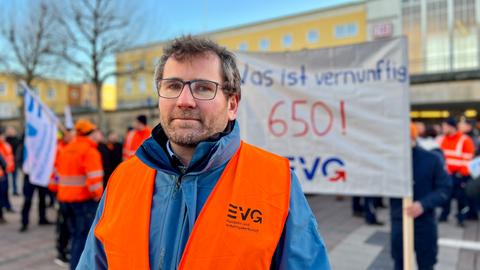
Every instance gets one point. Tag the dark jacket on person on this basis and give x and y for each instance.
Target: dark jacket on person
(473, 188)
(3, 166)
(431, 187)
(14, 142)
(111, 157)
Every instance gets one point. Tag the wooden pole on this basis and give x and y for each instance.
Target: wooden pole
(407, 236)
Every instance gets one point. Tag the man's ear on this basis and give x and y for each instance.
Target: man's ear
(232, 107)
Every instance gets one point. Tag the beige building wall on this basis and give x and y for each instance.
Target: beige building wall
(52, 92)
(341, 25)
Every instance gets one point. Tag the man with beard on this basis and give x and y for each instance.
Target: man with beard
(195, 196)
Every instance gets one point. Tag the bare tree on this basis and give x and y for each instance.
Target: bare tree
(29, 40)
(91, 32)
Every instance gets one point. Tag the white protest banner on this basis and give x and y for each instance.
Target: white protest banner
(340, 115)
(40, 139)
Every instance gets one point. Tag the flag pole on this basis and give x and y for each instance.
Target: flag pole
(407, 235)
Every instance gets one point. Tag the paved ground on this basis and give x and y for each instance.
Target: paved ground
(354, 245)
(351, 243)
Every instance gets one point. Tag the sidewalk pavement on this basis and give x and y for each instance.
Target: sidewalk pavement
(352, 245)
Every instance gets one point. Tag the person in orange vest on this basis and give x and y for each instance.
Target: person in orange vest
(195, 196)
(7, 153)
(458, 150)
(3, 174)
(80, 185)
(136, 136)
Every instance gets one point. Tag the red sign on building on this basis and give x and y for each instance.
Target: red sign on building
(382, 30)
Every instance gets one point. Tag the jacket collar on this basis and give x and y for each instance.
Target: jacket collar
(208, 154)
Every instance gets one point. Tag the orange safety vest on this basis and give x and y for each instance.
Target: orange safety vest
(7, 154)
(458, 150)
(80, 171)
(133, 140)
(54, 178)
(238, 228)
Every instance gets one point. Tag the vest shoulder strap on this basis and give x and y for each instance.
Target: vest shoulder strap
(129, 196)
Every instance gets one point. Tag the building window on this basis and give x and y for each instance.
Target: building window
(287, 41)
(51, 93)
(465, 35)
(19, 90)
(411, 20)
(141, 65)
(141, 85)
(128, 86)
(437, 37)
(243, 47)
(346, 30)
(3, 89)
(312, 36)
(74, 94)
(264, 44)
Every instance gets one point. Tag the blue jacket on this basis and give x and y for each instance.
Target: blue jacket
(179, 196)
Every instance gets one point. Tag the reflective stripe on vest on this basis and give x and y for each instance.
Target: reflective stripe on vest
(72, 180)
(238, 228)
(455, 157)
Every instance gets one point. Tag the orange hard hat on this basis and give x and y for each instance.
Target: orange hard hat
(84, 127)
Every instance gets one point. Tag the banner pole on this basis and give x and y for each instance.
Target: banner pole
(407, 235)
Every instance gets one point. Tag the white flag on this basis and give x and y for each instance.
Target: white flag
(40, 139)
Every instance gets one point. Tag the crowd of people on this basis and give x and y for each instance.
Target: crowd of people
(193, 169)
(442, 153)
(84, 162)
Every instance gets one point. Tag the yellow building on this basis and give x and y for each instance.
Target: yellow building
(109, 97)
(83, 97)
(52, 92)
(339, 25)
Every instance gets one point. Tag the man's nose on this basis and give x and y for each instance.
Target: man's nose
(186, 99)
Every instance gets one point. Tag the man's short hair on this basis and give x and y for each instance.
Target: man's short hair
(188, 47)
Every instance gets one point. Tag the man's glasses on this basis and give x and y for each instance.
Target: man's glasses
(200, 89)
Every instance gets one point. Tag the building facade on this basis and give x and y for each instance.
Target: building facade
(330, 27)
(56, 94)
(443, 39)
(444, 52)
(52, 92)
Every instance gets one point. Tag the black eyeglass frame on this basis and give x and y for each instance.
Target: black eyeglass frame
(189, 83)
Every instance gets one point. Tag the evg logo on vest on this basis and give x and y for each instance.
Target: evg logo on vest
(238, 212)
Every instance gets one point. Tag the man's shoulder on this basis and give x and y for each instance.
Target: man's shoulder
(132, 163)
(427, 155)
(260, 151)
